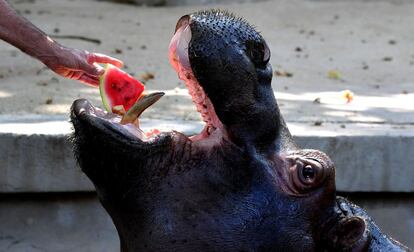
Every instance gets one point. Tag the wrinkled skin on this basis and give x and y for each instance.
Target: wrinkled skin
(242, 185)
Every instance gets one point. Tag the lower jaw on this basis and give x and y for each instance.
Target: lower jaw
(210, 134)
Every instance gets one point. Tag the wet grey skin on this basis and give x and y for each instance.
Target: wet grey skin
(241, 184)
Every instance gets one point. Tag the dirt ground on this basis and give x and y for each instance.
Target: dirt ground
(318, 49)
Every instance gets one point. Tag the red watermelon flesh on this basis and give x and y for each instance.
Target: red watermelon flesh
(118, 88)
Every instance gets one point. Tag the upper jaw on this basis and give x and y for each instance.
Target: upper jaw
(180, 61)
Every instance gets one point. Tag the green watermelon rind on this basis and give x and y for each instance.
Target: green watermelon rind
(104, 97)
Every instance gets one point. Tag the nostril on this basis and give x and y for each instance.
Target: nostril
(184, 20)
(81, 106)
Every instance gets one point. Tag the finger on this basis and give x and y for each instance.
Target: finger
(91, 69)
(101, 58)
(99, 67)
(89, 80)
(84, 78)
(74, 75)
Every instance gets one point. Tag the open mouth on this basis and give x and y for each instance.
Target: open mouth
(179, 59)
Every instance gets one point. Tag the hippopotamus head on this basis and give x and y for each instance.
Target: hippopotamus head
(241, 184)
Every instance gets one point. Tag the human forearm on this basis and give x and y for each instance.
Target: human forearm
(19, 32)
(68, 62)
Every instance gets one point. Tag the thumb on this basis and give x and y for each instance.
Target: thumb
(91, 69)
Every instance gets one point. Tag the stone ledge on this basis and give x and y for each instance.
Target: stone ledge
(35, 155)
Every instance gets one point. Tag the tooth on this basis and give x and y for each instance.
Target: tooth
(140, 105)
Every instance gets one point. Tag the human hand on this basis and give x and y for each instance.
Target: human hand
(79, 65)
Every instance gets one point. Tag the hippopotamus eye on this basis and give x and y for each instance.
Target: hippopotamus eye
(306, 174)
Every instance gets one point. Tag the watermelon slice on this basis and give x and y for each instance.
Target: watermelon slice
(118, 89)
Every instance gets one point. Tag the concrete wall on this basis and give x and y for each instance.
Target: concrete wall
(55, 222)
(44, 163)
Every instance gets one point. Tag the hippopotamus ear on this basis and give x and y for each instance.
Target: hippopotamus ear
(349, 234)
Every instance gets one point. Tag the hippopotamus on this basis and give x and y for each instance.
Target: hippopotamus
(241, 184)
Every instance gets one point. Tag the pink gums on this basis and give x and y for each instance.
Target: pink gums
(178, 53)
